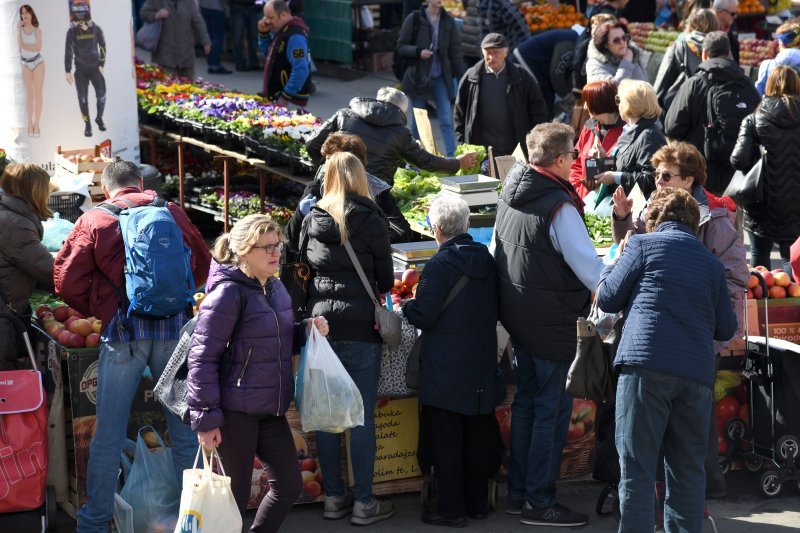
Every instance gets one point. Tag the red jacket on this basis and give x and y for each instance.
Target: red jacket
(584, 144)
(88, 271)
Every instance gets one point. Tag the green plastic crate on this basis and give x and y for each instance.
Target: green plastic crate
(331, 29)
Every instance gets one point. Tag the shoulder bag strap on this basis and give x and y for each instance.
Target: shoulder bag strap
(360, 271)
(460, 284)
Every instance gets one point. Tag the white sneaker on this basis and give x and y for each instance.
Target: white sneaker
(337, 507)
(365, 514)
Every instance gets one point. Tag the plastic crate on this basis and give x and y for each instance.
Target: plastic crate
(67, 205)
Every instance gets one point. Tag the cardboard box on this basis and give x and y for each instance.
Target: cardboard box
(62, 159)
(381, 62)
(784, 318)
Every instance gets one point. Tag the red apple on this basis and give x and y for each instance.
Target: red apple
(410, 277)
(76, 341)
(752, 282)
(97, 326)
(52, 327)
(758, 293)
(794, 290)
(761, 268)
(782, 279)
(61, 312)
(63, 337)
(73, 312)
(308, 464)
(44, 308)
(312, 489)
(68, 322)
(398, 286)
(92, 340)
(81, 326)
(777, 292)
(769, 279)
(46, 317)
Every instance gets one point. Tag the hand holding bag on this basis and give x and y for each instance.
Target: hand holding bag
(591, 374)
(149, 34)
(389, 323)
(746, 189)
(207, 499)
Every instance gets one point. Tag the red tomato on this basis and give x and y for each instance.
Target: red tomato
(727, 408)
(744, 414)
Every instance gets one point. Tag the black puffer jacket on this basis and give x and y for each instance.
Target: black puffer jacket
(336, 290)
(776, 128)
(382, 127)
(634, 150)
(459, 354)
(687, 117)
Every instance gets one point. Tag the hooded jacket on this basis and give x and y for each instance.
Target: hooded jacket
(606, 66)
(540, 295)
(687, 116)
(259, 380)
(459, 351)
(680, 63)
(416, 79)
(788, 56)
(335, 290)
(775, 126)
(718, 234)
(382, 127)
(524, 99)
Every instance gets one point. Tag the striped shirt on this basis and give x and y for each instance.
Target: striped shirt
(122, 329)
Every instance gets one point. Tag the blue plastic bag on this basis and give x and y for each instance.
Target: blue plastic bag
(149, 35)
(151, 488)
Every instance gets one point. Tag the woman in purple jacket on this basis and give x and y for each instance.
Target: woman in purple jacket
(240, 405)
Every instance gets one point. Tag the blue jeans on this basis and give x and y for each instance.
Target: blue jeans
(539, 420)
(444, 108)
(244, 24)
(761, 249)
(119, 372)
(656, 410)
(363, 362)
(215, 24)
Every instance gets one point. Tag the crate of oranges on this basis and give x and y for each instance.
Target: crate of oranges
(752, 7)
(543, 16)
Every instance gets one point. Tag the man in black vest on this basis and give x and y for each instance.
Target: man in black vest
(287, 70)
(548, 269)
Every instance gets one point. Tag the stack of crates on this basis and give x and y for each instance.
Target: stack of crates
(331, 29)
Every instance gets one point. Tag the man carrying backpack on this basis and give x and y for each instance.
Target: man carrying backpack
(709, 109)
(142, 299)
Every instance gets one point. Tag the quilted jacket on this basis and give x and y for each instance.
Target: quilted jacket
(259, 380)
(776, 127)
(673, 293)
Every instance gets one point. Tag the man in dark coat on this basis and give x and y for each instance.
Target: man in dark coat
(727, 11)
(479, 116)
(381, 124)
(547, 268)
(687, 117)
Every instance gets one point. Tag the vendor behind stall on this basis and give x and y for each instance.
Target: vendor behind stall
(24, 261)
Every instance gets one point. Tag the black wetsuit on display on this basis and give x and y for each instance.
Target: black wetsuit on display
(88, 49)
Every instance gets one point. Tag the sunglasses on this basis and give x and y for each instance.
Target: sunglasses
(574, 153)
(619, 40)
(270, 248)
(733, 14)
(665, 175)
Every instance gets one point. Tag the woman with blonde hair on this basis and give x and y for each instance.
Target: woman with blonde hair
(347, 213)
(774, 130)
(641, 138)
(25, 262)
(239, 405)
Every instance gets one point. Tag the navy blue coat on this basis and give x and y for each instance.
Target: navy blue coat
(675, 298)
(459, 352)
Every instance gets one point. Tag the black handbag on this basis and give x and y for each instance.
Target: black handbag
(746, 189)
(295, 274)
(591, 374)
(415, 357)
(171, 389)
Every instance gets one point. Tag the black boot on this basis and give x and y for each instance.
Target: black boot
(87, 130)
(100, 124)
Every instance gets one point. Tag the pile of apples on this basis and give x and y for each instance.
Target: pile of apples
(84, 158)
(70, 328)
(646, 35)
(405, 286)
(753, 51)
(778, 283)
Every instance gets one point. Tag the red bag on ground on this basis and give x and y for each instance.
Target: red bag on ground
(23, 441)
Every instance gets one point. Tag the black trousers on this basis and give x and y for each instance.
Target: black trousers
(269, 438)
(461, 451)
(83, 77)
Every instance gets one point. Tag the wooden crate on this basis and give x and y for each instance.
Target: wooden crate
(66, 159)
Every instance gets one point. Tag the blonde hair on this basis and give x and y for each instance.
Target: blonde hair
(244, 235)
(637, 99)
(702, 20)
(31, 184)
(344, 174)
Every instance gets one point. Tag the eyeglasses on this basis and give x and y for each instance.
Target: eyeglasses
(733, 14)
(665, 175)
(574, 153)
(619, 40)
(270, 248)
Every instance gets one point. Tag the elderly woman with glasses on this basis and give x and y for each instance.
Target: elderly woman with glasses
(612, 55)
(680, 165)
(459, 362)
(239, 405)
(641, 138)
(665, 358)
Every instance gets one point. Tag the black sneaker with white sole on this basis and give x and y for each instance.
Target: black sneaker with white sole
(556, 515)
(514, 506)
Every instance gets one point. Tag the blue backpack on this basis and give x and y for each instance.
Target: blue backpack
(158, 273)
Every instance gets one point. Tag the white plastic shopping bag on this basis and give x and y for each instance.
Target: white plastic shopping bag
(207, 503)
(330, 399)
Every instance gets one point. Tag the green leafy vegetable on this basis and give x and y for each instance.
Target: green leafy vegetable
(599, 229)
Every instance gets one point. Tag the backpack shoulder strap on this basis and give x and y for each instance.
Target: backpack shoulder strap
(460, 284)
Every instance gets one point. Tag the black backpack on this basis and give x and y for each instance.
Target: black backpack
(727, 105)
(399, 63)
